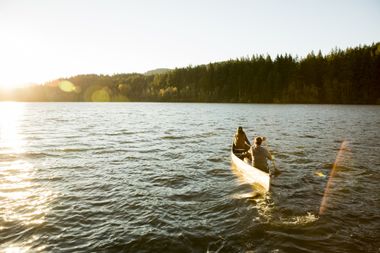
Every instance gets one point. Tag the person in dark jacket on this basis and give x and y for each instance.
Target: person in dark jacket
(241, 141)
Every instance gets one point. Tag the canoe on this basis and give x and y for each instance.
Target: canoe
(250, 174)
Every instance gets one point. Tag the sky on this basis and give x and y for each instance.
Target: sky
(42, 40)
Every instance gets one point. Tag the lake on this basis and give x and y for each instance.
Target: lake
(156, 177)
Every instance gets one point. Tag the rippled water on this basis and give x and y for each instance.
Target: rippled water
(150, 177)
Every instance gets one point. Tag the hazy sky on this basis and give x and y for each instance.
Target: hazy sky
(42, 40)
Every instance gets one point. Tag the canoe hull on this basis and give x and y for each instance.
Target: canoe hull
(250, 174)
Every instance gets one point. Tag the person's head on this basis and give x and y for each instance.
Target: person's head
(240, 129)
(258, 141)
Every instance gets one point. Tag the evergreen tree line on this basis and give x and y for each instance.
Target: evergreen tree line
(350, 76)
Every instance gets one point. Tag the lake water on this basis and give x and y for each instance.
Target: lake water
(156, 177)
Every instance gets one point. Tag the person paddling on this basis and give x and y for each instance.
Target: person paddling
(241, 141)
(260, 155)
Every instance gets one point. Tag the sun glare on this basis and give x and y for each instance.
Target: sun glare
(23, 201)
(10, 115)
(8, 86)
(9, 83)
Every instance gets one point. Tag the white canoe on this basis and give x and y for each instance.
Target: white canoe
(250, 174)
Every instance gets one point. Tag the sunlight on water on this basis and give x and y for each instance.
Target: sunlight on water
(265, 208)
(15, 249)
(10, 116)
(319, 174)
(300, 220)
(22, 201)
(265, 205)
(104, 177)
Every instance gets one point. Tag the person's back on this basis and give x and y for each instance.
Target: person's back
(241, 140)
(260, 155)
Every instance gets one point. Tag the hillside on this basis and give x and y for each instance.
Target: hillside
(350, 76)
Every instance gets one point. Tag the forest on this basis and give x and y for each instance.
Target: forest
(350, 76)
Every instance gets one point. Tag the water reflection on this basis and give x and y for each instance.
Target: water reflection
(11, 114)
(265, 206)
(23, 202)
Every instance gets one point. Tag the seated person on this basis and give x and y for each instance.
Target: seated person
(241, 142)
(259, 155)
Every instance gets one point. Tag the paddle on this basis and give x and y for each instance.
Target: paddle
(276, 171)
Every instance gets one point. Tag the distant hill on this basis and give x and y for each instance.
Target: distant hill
(157, 71)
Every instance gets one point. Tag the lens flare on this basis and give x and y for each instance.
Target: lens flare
(101, 95)
(67, 86)
(338, 160)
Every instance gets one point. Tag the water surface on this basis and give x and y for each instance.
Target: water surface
(156, 177)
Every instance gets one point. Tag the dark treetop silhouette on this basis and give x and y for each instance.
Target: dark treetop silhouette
(350, 76)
